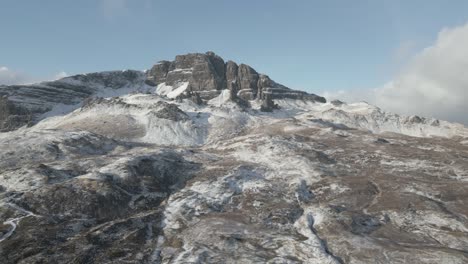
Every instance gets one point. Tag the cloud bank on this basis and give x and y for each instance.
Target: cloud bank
(434, 83)
(10, 77)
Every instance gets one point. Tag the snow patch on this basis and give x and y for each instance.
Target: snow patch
(171, 91)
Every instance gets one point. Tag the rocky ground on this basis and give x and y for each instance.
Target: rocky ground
(144, 178)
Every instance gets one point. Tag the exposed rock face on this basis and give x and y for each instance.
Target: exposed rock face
(23, 104)
(92, 102)
(169, 111)
(208, 74)
(205, 72)
(336, 102)
(267, 104)
(158, 73)
(113, 80)
(248, 79)
(12, 116)
(232, 79)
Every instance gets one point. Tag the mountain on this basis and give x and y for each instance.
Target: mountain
(28, 104)
(204, 161)
(202, 76)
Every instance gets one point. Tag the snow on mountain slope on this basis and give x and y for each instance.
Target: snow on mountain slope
(151, 119)
(170, 91)
(37, 101)
(136, 117)
(122, 172)
(371, 118)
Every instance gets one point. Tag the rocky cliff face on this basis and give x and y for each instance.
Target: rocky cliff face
(207, 74)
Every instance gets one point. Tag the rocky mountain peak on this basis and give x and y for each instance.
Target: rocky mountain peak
(199, 76)
(208, 74)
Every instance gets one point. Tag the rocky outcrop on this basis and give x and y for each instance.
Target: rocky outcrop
(248, 79)
(12, 116)
(203, 71)
(208, 74)
(169, 111)
(267, 104)
(158, 73)
(337, 103)
(232, 80)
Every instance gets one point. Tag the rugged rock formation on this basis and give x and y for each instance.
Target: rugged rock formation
(232, 79)
(25, 104)
(204, 72)
(208, 74)
(198, 76)
(337, 103)
(12, 116)
(267, 103)
(169, 111)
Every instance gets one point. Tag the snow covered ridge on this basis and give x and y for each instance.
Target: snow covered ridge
(27, 104)
(131, 87)
(158, 119)
(373, 119)
(204, 79)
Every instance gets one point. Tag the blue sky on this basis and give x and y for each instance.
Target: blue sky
(311, 45)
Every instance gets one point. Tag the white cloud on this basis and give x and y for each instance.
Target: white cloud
(351, 96)
(434, 83)
(10, 77)
(60, 75)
